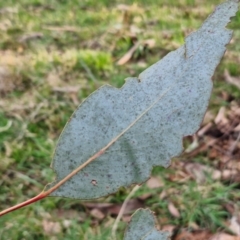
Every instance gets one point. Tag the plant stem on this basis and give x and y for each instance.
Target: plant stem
(25, 203)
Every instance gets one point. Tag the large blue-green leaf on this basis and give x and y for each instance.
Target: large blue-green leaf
(116, 136)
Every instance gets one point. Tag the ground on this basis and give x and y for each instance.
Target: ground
(53, 54)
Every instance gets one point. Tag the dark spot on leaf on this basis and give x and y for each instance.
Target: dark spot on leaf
(94, 182)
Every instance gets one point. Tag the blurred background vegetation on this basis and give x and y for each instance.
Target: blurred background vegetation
(53, 54)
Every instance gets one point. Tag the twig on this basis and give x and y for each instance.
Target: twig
(127, 56)
(234, 145)
(231, 150)
(121, 212)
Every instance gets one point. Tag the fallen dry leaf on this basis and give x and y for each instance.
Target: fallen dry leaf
(204, 129)
(69, 214)
(145, 196)
(234, 164)
(209, 142)
(237, 128)
(209, 117)
(199, 172)
(67, 89)
(129, 54)
(98, 205)
(132, 205)
(235, 225)
(197, 235)
(163, 194)
(96, 213)
(155, 182)
(126, 218)
(232, 80)
(51, 228)
(220, 118)
(193, 226)
(110, 208)
(169, 228)
(224, 236)
(150, 43)
(173, 210)
(229, 173)
(179, 175)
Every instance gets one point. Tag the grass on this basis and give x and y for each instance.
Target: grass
(78, 44)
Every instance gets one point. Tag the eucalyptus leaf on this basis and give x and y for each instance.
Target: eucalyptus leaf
(142, 227)
(116, 136)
